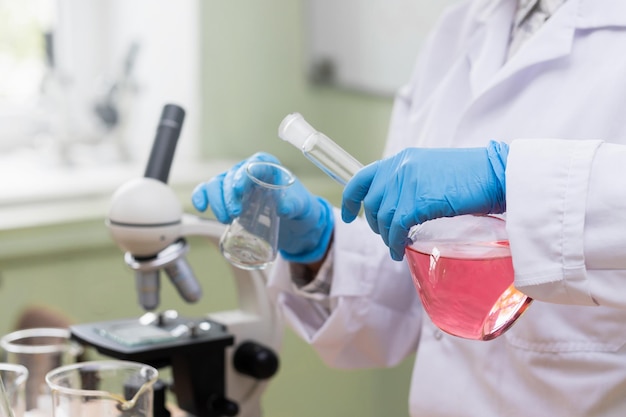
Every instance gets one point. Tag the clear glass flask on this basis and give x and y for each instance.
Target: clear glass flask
(461, 266)
(5, 403)
(251, 240)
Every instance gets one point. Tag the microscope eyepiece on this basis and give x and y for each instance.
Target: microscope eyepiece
(164, 145)
(172, 116)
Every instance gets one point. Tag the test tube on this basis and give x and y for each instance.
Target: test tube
(319, 148)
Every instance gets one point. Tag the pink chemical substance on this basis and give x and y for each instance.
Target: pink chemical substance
(469, 297)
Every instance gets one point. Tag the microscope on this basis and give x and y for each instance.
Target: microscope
(220, 363)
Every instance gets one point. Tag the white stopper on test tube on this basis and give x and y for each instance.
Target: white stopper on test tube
(295, 130)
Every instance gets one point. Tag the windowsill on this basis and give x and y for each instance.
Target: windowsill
(60, 196)
(62, 212)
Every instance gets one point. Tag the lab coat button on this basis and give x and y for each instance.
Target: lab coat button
(438, 334)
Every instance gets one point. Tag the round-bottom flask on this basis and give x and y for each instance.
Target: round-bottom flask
(462, 269)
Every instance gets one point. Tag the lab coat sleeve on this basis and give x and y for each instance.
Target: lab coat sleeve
(374, 318)
(566, 219)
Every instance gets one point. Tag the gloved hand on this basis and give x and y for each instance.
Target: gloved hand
(306, 221)
(420, 184)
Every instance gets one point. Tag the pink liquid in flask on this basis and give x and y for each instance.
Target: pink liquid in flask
(466, 286)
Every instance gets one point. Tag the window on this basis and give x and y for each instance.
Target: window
(82, 87)
(23, 28)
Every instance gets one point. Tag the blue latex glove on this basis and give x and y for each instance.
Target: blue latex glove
(420, 184)
(306, 221)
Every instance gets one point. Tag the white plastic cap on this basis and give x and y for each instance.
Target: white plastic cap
(295, 130)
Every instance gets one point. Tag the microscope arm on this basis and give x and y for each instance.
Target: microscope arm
(256, 325)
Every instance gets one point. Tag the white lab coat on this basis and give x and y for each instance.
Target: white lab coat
(566, 221)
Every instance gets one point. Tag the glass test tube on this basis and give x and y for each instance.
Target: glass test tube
(319, 148)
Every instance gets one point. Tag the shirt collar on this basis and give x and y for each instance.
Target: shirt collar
(525, 7)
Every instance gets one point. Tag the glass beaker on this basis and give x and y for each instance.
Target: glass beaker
(103, 389)
(251, 240)
(13, 378)
(40, 350)
(463, 272)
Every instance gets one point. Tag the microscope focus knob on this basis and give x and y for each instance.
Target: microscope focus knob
(255, 360)
(223, 407)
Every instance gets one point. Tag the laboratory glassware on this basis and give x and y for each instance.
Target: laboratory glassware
(465, 285)
(462, 268)
(5, 404)
(39, 350)
(108, 388)
(12, 390)
(251, 240)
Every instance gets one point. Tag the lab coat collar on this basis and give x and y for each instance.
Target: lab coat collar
(594, 14)
(553, 40)
(590, 13)
(485, 8)
(488, 47)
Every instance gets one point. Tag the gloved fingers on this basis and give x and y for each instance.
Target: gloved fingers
(384, 198)
(306, 239)
(407, 216)
(383, 223)
(399, 234)
(296, 202)
(371, 215)
(233, 186)
(236, 182)
(378, 200)
(209, 194)
(355, 191)
(214, 191)
(199, 199)
(263, 157)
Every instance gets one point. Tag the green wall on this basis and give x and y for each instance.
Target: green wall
(254, 75)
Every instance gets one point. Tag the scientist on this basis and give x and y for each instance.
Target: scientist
(549, 71)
